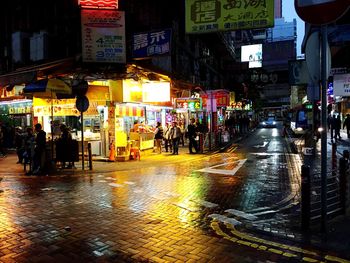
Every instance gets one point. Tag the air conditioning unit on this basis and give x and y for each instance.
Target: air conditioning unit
(20, 47)
(39, 46)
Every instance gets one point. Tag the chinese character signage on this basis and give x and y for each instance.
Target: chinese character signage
(203, 16)
(103, 35)
(151, 43)
(222, 98)
(188, 103)
(16, 108)
(99, 4)
(341, 85)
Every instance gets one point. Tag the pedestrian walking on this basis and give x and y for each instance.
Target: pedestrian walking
(175, 134)
(166, 137)
(337, 126)
(29, 145)
(64, 148)
(158, 136)
(39, 150)
(183, 131)
(329, 121)
(346, 124)
(192, 133)
(19, 144)
(332, 125)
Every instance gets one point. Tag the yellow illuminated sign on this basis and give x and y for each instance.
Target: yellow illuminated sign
(203, 16)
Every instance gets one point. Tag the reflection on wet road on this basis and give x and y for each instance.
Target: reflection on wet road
(156, 214)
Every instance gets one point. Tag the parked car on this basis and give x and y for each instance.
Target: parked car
(270, 122)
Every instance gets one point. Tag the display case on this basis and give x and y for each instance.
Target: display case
(143, 140)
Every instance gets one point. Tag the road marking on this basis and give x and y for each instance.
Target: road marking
(171, 194)
(271, 246)
(184, 206)
(110, 178)
(206, 204)
(212, 169)
(241, 214)
(261, 146)
(115, 185)
(225, 219)
(265, 213)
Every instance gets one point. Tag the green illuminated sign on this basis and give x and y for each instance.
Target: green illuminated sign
(203, 16)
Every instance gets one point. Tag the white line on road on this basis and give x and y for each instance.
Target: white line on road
(115, 185)
(212, 169)
(225, 219)
(206, 203)
(241, 214)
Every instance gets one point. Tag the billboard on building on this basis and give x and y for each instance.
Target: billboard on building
(298, 73)
(203, 16)
(341, 85)
(279, 53)
(150, 44)
(253, 55)
(103, 35)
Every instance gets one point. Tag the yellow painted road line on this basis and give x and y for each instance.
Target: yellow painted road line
(215, 226)
(270, 246)
(242, 235)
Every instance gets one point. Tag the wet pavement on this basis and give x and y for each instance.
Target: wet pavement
(185, 208)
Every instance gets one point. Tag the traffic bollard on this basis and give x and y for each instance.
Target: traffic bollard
(305, 197)
(90, 156)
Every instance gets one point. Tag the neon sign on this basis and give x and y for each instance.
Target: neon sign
(107, 4)
(188, 103)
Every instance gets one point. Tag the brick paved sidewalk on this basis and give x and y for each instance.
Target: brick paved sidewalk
(8, 164)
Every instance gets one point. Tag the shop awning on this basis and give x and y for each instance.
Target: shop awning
(30, 73)
(17, 78)
(129, 111)
(47, 88)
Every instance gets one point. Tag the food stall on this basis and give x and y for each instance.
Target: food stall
(122, 135)
(65, 112)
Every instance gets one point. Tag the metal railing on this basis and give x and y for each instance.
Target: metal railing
(311, 188)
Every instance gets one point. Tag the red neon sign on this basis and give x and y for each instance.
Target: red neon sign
(110, 4)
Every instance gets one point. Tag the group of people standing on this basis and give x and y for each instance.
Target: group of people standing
(30, 148)
(172, 135)
(335, 124)
(237, 124)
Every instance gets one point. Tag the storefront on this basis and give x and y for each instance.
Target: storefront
(185, 109)
(63, 111)
(123, 134)
(15, 109)
(17, 113)
(216, 102)
(138, 104)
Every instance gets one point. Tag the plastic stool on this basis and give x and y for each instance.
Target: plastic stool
(135, 153)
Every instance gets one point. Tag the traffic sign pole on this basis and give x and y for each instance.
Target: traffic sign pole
(324, 43)
(82, 140)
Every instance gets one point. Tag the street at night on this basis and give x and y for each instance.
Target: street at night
(153, 131)
(219, 207)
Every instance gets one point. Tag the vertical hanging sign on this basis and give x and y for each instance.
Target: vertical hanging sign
(103, 35)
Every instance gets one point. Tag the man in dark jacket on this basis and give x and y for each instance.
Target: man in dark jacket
(192, 133)
(39, 150)
(347, 124)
